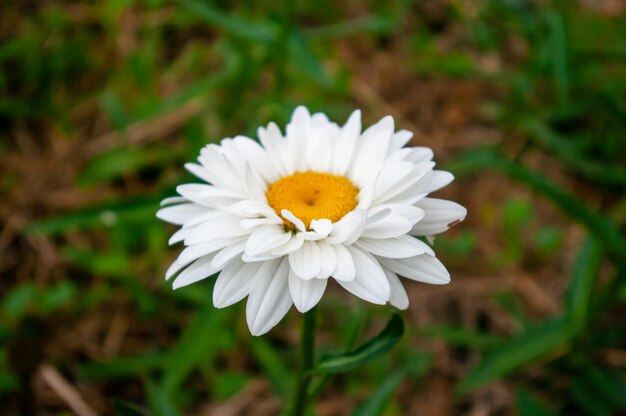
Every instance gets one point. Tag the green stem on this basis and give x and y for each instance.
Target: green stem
(305, 357)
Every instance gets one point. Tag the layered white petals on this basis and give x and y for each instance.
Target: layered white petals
(306, 293)
(348, 229)
(346, 143)
(306, 263)
(424, 268)
(396, 248)
(371, 153)
(269, 298)
(370, 282)
(198, 270)
(398, 296)
(233, 284)
(266, 238)
(181, 213)
(440, 215)
(228, 226)
(345, 269)
(389, 226)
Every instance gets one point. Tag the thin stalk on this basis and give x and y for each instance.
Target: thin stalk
(306, 358)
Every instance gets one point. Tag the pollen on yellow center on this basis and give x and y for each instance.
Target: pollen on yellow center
(313, 195)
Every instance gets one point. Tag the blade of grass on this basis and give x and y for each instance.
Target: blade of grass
(198, 345)
(584, 276)
(543, 341)
(273, 365)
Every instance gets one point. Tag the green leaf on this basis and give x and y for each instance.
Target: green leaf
(558, 53)
(529, 405)
(582, 282)
(127, 409)
(378, 401)
(537, 343)
(380, 344)
(159, 400)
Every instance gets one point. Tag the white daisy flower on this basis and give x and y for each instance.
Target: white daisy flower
(280, 218)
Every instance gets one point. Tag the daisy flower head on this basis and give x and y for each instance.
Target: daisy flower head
(280, 217)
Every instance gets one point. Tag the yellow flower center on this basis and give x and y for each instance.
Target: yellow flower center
(313, 195)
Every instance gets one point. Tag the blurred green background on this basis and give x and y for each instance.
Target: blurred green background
(101, 103)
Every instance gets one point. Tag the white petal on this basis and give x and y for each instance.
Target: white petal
(306, 262)
(214, 229)
(404, 189)
(440, 179)
(409, 212)
(173, 200)
(424, 268)
(254, 153)
(440, 214)
(395, 248)
(179, 236)
(252, 209)
(218, 169)
(273, 142)
(399, 297)
(289, 247)
(271, 137)
(420, 154)
(345, 265)
(209, 195)
(198, 270)
(372, 150)
(391, 175)
(317, 147)
(306, 293)
(181, 213)
(200, 172)
(293, 219)
(209, 214)
(193, 252)
(345, 144)
(329, 260)
(255, 186)
(322, 226)
(400, 139)
(249, 223)
(233, 283)
(228, 253)
(370, 282)
(320, 230)
(269, 299)
(349, 228)
(266, 238)
(174, 268)
(392, 225)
